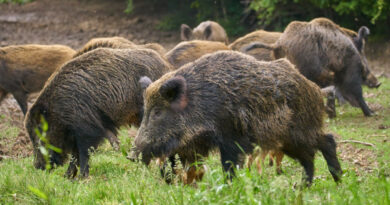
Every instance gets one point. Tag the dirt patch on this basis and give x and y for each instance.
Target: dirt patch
(13, 145)
(74, 22)
(364, 159)
(378, 56)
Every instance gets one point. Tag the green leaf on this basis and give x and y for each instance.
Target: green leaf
(56, 149)
(38, 192)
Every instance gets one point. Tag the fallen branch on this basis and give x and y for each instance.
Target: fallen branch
(377, 135)
(357, 142)
(4, 157)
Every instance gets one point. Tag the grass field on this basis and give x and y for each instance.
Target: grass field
(115, 180)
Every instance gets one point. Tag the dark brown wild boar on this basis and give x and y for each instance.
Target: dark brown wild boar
(257, 36)
(207, 30)
(189, 51)
(88, 99)
(231, 102)
(328, 55)
(117, 43)
(24, 69)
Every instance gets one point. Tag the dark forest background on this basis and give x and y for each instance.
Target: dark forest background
(241, 16)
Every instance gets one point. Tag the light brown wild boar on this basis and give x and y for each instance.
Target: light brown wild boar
(327, 55)
(207, 30)
(231, 102)
(257, 36)
(189, 51)
(24, 69)
(88, 99)
(117, 43)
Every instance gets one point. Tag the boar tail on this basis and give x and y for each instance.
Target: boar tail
(257, 45)
(363, 32)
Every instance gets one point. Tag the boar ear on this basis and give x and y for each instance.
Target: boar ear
(174, 91)
(207, 32)
(362, 35)
(144, 82)
(186, 32)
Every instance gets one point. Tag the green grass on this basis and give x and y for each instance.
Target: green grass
(115, 180)
(15, 1)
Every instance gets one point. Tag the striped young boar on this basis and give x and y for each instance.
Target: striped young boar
(231, 102)
(24, 69)
(328, 55)
(189, 51)
(207, 30)
(88, 99)
(117, 43)
(257, 36)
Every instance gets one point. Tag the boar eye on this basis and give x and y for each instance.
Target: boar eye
(156, 113)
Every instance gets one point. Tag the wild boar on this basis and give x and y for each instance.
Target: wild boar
(207, 30)
(257, 36)
(325, 54)
(117, 43)
(189, 51)
(231, 102)
(88, 99)
(24, 69)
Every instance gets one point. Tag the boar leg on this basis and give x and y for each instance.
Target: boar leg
(340, 97)
(72, 169)
(83, 158)
(229, 159)
(356, 92)
(329, 93)
(21, 98)
(328, 149)
(194, 173)
(252, 157)
(3, 93)
(168, 176)
(113, 139)
(307, 163)
(260, 162)
(279, 157)
(366, 110)
(271, 159)
(352, 87)
(200, 173)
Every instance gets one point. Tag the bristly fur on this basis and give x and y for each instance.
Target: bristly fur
(24, 69)
(117, 43)
(234, 102)
(207, 30)
(256, 36)
(189, 51)
(327, 54)
(90, 97)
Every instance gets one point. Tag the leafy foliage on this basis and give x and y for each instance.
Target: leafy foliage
(226, 12)
(276, 14)
(238, 16)
(15, 1)
(129, 7)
